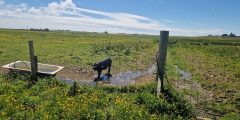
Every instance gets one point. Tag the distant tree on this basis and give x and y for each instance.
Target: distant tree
(232, 35)
(46, 29)
(105, 32)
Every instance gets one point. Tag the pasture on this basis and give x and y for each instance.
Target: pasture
(203, 77)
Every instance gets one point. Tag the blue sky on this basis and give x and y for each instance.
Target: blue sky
(180, 17)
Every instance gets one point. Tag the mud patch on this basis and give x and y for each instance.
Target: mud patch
(145, 79)
(3, 71)
(78, 74)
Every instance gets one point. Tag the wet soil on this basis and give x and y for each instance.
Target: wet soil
(3, 71)
(145, 79)
(75, 74)
(133, 77)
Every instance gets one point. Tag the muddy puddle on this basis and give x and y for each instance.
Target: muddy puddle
(119, 79)
(130, 77)
(184, 74)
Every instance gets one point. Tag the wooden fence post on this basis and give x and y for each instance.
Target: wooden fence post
(32, 60)
(161, 60)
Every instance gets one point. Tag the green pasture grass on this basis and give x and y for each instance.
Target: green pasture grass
(213, 62)
(79, 49)
(215, 66)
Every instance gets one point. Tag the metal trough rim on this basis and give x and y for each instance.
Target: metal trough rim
(48, 73)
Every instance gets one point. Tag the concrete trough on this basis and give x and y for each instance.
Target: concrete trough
(45, 69)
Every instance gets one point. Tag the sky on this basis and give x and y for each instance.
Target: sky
(180, 17)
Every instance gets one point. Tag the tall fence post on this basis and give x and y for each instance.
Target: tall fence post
(33, 60)
(161, 59)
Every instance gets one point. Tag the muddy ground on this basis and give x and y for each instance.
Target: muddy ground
(79, 74)
(76, 74)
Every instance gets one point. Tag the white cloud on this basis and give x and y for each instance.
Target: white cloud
(66, 15)
(169, 21)
(34, 10)
(54, 7)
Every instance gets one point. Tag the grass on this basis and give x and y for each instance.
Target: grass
(215, 64)
(50, 99)
(71, 49)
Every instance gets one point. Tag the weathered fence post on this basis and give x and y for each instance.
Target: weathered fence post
(33, 62)
(161, 59)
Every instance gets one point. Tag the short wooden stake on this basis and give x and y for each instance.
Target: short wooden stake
(32, 60)
(36, 66)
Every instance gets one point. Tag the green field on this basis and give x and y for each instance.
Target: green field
(213, 89)
(215, 65)
(74, 49)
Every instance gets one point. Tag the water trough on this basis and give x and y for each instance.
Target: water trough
(45, 69)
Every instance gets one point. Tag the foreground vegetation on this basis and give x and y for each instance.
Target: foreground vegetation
(52, 99)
